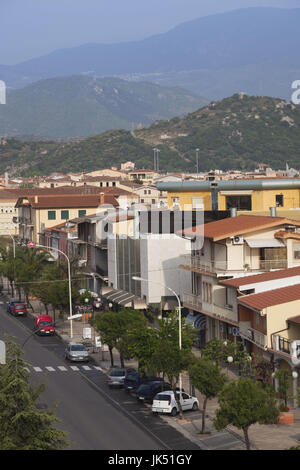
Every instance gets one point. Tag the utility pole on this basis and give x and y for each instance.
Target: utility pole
(197, 160)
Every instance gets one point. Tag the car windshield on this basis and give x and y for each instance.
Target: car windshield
(19, 306)
(162, 397)
(44, 323)
(78, 347)
(117, 373)
(144, 388)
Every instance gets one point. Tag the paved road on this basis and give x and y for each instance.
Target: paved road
(94, 417)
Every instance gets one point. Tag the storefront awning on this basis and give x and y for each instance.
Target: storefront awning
(125, 299)
(267, 243)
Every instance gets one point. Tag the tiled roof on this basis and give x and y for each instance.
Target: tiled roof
(295, 319)
(271, 297)
(255, 278)
(69, 201)
(231, 226)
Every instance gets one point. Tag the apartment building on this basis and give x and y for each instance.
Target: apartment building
(247, 196)
(37, 213)
(229, 248)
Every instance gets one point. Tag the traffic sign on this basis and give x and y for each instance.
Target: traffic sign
(31, 244)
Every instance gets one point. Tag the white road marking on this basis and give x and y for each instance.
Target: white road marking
(98, 368)
(86, 367)
(74, 367)
(51, 369)
(63, 368)
(37, 369)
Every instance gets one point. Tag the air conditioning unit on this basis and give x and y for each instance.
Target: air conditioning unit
(237, 240)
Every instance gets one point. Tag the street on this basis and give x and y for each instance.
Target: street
(94, 416)
(91, 421)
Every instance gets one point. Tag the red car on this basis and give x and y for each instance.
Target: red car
(43, 324)
(19, 309)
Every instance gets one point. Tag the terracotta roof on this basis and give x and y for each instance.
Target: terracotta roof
(231, 226)
(271, 297)
(255, 278)
(69, 201)
(294, 319)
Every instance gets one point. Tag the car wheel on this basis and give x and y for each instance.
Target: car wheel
(174, 411)
(195, 406)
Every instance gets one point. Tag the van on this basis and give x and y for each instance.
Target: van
(43, 325)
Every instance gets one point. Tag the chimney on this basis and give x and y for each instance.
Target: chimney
(214, 195)
(233, 212)
(36, 199)
(6, 178)
(273, 212)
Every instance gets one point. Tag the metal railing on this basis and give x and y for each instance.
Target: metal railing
(192, 300)
(215, 267)
(253, 336)
(281, 344)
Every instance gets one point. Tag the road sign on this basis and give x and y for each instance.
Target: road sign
(31, 244)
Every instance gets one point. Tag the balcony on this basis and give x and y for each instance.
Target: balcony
(220, 313)
(281, 344)
(253, 336)
(212, 267)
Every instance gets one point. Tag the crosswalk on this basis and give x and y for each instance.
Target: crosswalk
(58, 368)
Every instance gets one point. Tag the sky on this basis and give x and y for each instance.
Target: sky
(31, 28)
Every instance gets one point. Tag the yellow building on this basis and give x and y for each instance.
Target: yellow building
(37, 213)
(255, 196)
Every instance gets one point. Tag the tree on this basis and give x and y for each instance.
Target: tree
(208, 378)
(284, 382)
(142, 345)
(243, 403)
(22, 425)
(107, 326)
(168, 358)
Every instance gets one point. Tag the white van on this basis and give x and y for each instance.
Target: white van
(165, 402)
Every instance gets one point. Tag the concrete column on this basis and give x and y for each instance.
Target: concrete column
(295, 385)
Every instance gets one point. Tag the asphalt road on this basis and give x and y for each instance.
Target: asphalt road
(91, 419)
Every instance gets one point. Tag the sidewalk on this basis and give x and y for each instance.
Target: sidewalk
(262, 437)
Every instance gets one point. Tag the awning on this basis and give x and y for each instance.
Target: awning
(125, 299)
(264, 243)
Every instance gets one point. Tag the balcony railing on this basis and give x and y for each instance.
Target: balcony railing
(219, 267)
(192, 300)
(253, 336)
(281, 344)
(222, 313)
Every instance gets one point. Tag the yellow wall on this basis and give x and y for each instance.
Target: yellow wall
(262, 200)
(277, 318)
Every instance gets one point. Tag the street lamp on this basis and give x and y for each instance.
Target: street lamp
(197, 160)
(69, 276)
(137, 278)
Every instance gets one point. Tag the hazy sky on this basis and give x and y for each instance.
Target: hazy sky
(29, 28)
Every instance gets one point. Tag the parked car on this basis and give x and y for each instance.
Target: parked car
(43, 324)
(134, 380)
(19, 308)
(11, 304)
(77, 352)
(147, 391)
(116, 377)
(165, 402)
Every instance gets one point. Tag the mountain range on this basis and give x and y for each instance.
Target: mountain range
(84, 106)
(235, 133)
(254, 50)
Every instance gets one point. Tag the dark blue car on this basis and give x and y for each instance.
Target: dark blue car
(134, 380)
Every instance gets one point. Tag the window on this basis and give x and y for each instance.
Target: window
(239, 202)
(153, 201)
(64, 215)
(81, 212)
(101, 184)
(114, 183)
(279, 200)
(51, 215)
(296, 250)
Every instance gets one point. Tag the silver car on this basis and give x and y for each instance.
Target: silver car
(76, 352)
(116, 377)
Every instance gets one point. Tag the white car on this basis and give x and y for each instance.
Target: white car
(165, 402)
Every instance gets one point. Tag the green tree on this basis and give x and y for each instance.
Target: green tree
(208, 378)
(284, 377)
(243, 403)
(22, 425)
(108, 329)
(168, 358)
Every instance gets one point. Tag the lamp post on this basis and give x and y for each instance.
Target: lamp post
(137, 278)
(197, 160)
(69, 277)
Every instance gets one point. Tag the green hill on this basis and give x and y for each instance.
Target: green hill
(237, 132)
(83, 106)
